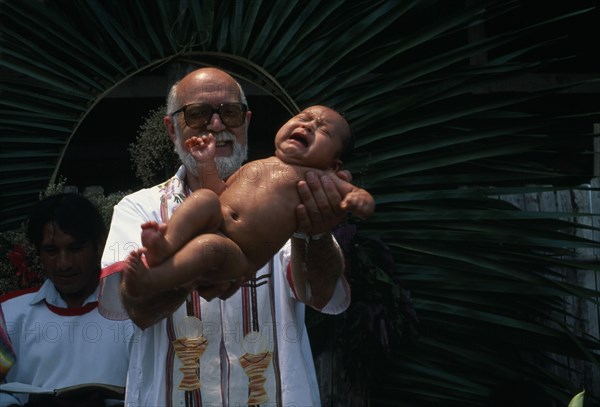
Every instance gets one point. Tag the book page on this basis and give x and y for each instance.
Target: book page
(16, 387)
(106, 391)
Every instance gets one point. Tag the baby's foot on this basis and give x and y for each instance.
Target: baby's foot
(134, 273)
(153, 239)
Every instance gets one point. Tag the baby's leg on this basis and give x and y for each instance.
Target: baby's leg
(207, 259)
(199, 213)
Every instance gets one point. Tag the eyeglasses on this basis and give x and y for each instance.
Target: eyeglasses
(197, 115)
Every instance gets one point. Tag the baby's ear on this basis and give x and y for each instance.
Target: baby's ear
(338, 165)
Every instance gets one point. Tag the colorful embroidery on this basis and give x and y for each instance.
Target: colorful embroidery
(189, 351)
(255, 366)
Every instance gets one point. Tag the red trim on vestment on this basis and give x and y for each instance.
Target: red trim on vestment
(18, 293)
(290, 280)
(71, 312)
(113, 268)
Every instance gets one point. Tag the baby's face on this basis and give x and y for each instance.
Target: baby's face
(313, 138)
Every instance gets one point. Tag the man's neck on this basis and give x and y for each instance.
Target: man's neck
(192, 182)
(76, 300)
(207, 178)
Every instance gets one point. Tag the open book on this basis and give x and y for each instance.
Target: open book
(106, 391)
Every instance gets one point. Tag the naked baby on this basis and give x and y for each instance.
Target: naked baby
(226, 231)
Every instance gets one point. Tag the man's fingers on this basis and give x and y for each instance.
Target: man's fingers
(320, 208)
(304, 223)
(222, 290)
(316, 189)
(233, 287)
(212, 291)
(332, 193)
(345, 175)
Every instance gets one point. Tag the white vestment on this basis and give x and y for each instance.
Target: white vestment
(261, 318)
(58, 347)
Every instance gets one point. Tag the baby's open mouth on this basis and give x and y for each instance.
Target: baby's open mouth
(299, 139)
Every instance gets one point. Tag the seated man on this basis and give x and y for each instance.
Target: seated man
(230, 237)
(58, 336)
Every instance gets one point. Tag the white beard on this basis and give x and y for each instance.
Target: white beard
(225, 165)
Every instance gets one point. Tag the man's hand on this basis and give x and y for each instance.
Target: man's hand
(317, 265)
(144, 308)
(222, 290)
(320, 209)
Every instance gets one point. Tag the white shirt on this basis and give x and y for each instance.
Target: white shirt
(262, 322)
(58, 347)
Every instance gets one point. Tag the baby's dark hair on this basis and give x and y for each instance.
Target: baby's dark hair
(72, 213)
(347, 142)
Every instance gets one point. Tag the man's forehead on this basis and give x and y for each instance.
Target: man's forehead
(211, 93)
(52, 231)
(212, 85)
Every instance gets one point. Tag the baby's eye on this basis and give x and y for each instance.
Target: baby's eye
(324, 130)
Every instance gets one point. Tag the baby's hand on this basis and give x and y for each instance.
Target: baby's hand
(359, 202)
(202, 148)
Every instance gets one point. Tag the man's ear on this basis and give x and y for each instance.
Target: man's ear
(170, 126)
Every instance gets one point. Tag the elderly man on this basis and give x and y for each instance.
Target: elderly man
(250, 346)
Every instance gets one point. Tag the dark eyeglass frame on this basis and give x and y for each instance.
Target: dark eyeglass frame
(214, 110)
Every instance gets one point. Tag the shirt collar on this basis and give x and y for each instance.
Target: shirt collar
(50, 294)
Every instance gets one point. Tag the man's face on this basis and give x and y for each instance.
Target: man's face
(214, 89)
(73, 266)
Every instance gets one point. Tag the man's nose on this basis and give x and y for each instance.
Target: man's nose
(215, 123)
(64, 260)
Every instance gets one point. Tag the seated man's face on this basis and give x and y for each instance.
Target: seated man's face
(73, 266)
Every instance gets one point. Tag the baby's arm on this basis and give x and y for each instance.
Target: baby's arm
(203, 149)
(355, 200)
(359, 202)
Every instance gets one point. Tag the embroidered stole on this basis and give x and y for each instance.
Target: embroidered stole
(254, 361)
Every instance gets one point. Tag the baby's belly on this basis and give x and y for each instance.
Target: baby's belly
(260, 234)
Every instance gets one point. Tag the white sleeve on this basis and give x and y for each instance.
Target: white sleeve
(123, 237)
(340, 299)
(125, 229)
